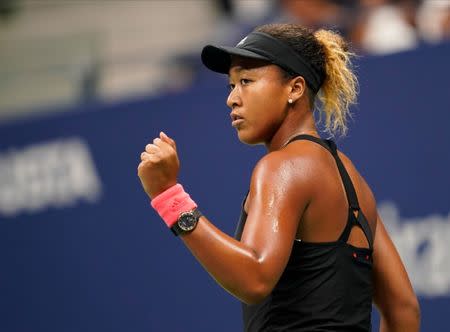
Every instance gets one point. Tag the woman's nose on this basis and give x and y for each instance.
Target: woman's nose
(233, 99)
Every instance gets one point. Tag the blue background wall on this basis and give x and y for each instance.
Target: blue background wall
(111, 265)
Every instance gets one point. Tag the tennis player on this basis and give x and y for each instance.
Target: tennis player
(311, 252)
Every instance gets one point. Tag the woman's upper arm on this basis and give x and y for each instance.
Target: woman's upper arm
(277, 198)
(392, 287)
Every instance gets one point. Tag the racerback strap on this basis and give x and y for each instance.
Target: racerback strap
(356, 217)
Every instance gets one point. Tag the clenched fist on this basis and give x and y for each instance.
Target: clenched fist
(159, 166)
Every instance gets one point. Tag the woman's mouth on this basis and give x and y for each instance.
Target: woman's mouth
(236, 119)
(237, 122)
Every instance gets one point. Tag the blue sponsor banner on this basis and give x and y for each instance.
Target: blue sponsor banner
(81, 249)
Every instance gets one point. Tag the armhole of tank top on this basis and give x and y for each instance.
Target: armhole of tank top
(355, 217)
(244, 201)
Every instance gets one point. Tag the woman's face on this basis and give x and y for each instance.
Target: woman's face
(258, 99)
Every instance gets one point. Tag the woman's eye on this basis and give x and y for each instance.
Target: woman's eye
(242, 81)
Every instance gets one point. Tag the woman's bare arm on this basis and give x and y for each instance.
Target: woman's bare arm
(393, 293)
(251, 267)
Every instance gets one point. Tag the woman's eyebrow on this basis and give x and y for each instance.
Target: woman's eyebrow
(237, 69)
(240, 69)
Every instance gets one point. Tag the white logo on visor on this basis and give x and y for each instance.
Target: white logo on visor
(241, 42)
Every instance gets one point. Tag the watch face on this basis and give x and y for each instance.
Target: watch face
(187, 221)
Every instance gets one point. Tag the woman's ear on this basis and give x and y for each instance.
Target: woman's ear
(298, 88)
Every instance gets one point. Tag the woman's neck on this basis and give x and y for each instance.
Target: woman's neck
(295, 123)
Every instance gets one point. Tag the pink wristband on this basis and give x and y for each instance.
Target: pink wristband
(170, 203)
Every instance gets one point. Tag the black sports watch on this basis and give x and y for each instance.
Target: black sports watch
(186, 222)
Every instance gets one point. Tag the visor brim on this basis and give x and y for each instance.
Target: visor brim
(218, 58)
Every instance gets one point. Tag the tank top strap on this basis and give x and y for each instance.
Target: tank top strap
(348, 185)
(356, 217)
(310, 138)
(242, 219)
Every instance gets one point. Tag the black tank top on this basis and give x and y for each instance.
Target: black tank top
(325, 286)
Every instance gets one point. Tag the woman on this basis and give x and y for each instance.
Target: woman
(311, 252)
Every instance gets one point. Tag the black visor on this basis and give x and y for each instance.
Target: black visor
(259, 45)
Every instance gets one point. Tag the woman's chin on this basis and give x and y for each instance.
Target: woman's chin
(247, 139)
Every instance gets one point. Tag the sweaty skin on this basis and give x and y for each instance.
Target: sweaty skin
(278, 211)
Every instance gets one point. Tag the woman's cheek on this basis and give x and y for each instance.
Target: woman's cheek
(253, 130)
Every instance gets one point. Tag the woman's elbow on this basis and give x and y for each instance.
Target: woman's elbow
(415, 309)
(256, 293)
(405, 314)
(411, 309)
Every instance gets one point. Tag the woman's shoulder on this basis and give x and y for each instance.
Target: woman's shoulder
(278, 175)
(296, 162)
